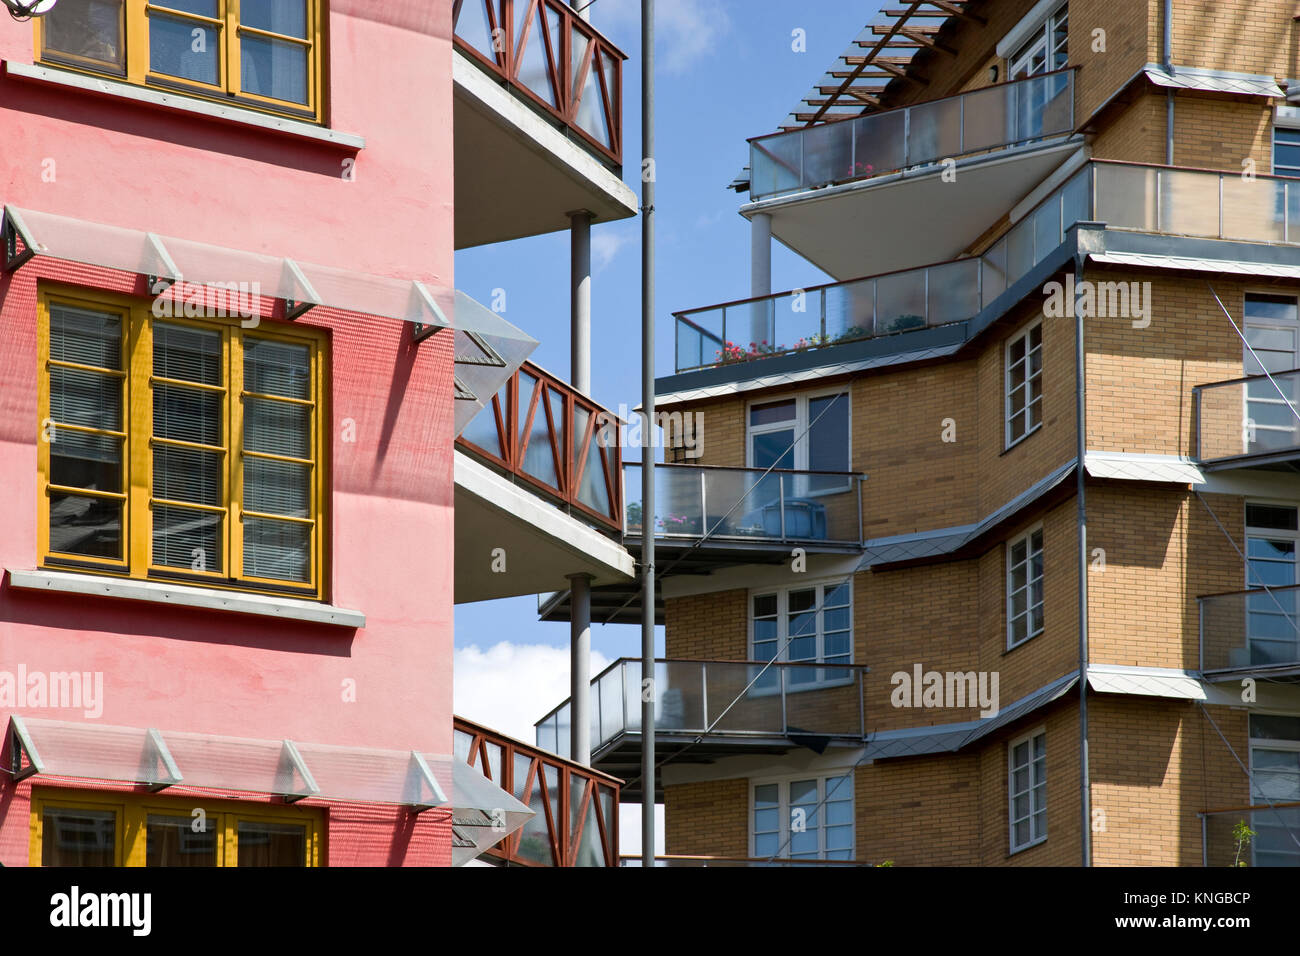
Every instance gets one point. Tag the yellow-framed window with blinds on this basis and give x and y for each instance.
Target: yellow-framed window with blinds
(180, 449)
(263, 54)
(121, 828)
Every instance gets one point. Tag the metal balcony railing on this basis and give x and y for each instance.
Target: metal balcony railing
(1124, 196)
(722, 699)
(555, 59)
(1253, 418)
(748, 505)
(576, 821)
(985, 120)
(1251, 630)
(541, 431)
(1273, 840)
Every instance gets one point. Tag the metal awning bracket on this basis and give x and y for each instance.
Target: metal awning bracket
(291, 763)
(164, 279)
(420, 779)
(419, 330)
(11, 229)
(156, 753)
(20, 745)
(295, 308)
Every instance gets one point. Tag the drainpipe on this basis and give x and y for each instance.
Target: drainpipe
(1167, 61)
(647, 454)
(1081, 447)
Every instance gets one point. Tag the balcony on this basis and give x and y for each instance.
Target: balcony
(721, 513)
(1126, 197)
(538, 475)
(1253, 632)
(575, 809)
(1273, 842)
(1251, 422)
(735, 707)
(538, 112)
(980, 121)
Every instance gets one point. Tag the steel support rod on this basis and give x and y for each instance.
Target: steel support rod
(580, 668)
(648, 173)
(580, 301)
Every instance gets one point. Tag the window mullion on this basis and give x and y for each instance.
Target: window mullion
(234, 81)
(137, 41)
(235, 442)
(138, 448)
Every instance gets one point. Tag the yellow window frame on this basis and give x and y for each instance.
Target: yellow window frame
(139, 441)
(230, 33)
(133, 810)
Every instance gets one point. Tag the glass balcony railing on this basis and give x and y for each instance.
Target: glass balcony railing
(1271, 840)
(747, 505)
(545, 434)
(1123, 196)
(1248, 418)
(734, 699)
(586, 836)
(557, 60)
(993, 118)
(1252, 630)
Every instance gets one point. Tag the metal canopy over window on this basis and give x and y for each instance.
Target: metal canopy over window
(482, 813)
(488, 349)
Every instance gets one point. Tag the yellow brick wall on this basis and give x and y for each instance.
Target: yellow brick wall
(707, 819)
(1245, 36)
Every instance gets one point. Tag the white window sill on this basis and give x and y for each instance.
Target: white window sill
(107, 86)
(184, 595)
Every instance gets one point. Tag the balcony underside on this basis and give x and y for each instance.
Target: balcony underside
(518, 175)
(1288, 673)
(943, 219)
(611, 604)
(539, 544)
(621, 757)
(1287, 461)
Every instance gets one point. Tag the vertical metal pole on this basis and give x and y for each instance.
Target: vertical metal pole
(580, 301)
(760, 274)
(1081, 446)
(580, 668)
(648, 406)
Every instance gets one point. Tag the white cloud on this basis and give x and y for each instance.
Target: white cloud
(605, 245)
(685, 30)
(509, 687)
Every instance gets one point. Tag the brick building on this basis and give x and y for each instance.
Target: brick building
(1035, 214)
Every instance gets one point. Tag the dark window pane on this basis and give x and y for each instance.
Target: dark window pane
(86, 30)
(1266, 306)
(189, 355)
(187, 538)
(86, 526)
(767, 447)
(1272, 727)
(187, 414)
(81, 460)
(78, 837)
(173, 841)
(279, 550)
(274, 368)
(1270, 516)
(84, 337)
(828, 447)
(272, 844)
(771, 412)
(286, 17)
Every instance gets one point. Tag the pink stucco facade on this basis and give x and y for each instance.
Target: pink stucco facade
(384, 209)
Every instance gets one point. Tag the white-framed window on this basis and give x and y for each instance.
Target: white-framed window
(1272, 546)
(1024, 587)
(808, 432)
(1274, 778)
(1027, 789)
(1272, 328)
(1286, 151)
(1024, 383)
(802, 818)
(1045, 44)
(809, 623)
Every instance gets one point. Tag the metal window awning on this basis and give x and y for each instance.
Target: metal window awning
(488, 349)
(482, 813)
(1213, 81)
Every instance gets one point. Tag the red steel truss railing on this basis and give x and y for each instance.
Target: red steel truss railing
(542, 432)
(576, 822)
(543, 49)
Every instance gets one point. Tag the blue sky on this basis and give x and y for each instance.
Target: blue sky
(726, 71)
